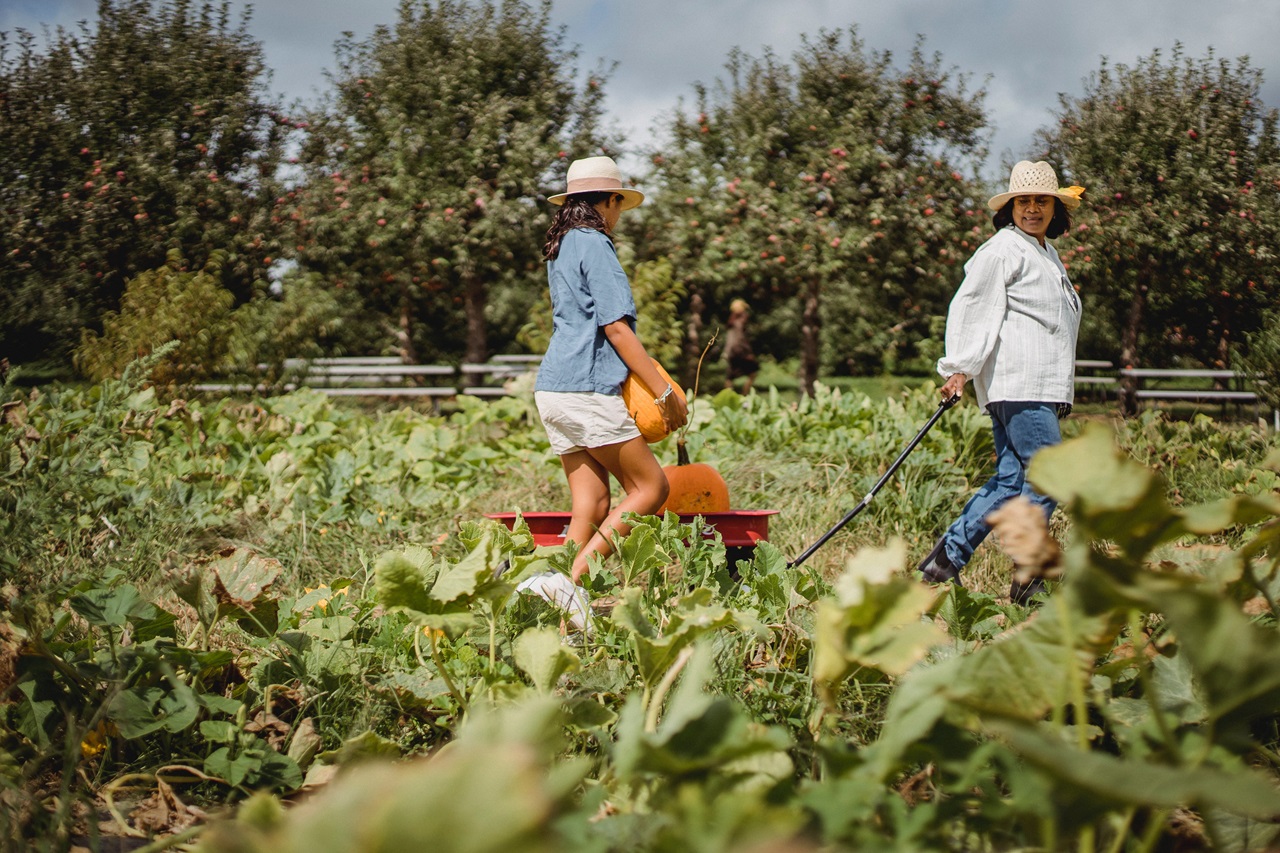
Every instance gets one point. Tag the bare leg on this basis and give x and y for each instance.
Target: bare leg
(589, 495)
(635, 466)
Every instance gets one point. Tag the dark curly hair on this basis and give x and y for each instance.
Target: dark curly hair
(1059, 224)
(578, 211)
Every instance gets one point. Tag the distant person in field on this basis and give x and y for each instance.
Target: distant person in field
(740, 359)
(593, 347)
(1012, 329)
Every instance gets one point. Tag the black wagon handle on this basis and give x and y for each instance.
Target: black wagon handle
(866, 499)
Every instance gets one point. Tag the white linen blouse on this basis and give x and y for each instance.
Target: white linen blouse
(1013, 322)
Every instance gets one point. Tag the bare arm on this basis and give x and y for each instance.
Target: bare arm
(632, 352)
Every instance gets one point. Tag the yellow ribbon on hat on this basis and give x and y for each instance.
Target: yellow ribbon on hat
(1074, 192)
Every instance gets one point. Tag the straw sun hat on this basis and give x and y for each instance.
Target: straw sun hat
(597, 175)
(1037, 178)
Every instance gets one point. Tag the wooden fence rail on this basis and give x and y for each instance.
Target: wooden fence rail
(383, 376)
(388, 376)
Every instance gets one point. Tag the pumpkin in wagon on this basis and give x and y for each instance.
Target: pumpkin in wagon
(695, 487)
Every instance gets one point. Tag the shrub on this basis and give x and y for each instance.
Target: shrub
(1262, 359)
(171, 303)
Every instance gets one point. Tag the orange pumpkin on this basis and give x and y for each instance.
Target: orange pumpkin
(696, 488)
(639, 402)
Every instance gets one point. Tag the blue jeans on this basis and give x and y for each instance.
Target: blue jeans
(1019, 430)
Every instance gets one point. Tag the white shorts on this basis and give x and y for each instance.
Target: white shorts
(578, 420)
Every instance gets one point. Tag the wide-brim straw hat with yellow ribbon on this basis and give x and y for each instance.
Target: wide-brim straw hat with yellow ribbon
(597, 175)
(1037, 178)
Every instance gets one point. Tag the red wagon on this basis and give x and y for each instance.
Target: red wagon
(739, 529)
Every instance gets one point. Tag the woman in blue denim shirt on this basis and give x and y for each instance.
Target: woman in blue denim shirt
(1012, 329)
(593, 347)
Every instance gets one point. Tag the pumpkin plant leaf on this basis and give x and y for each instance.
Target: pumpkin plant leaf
(639, 554)
(1139, 783)
(1110, 495)
(459, 582)
(698, 734)
(242, 577)
(544, 658)
(690, 620)
(1233, 658)
(875, 622)
(403, 579)
(1002, 679)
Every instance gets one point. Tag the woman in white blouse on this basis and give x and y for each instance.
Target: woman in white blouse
(1012, 329)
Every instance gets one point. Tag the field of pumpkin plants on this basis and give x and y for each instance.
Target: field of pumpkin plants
(288, 624)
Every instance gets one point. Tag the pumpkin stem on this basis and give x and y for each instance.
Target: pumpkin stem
(697, 376)
(682, 452)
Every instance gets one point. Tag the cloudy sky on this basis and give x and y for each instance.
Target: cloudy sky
(1024, 53)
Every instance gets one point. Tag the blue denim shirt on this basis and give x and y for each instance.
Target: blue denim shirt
(589, 290)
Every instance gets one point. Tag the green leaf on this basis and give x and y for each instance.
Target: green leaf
(1173, 680)
(689, 620)
(221, 704)
(584, 714)
(453, 624)
(1234, 659)
(877, 621)
(768, 559)
(417, 689)
(234, 770)
(542, 656)
(1238, 510)
(113, 608)
(134, 711)
(1139, 783)
(330, 628)
(36, 715)
(277, 772)
(219, 731)
(463, 580)
(1004, 679)
(629, 614)
(403, 580)
(1230, 831)
(139, 711)
(263, 621)
(699, 733)
(1109, 494)
(639, 554)
(367, 744)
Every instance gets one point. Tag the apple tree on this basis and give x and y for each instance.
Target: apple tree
(145, 133)
(427, 171)
(835, 192)
(1175, 250)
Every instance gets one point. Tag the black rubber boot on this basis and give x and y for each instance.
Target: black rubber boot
(1022, 593)
(937, 568)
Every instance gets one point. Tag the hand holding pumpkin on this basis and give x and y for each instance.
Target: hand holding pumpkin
(674, 410)
(656, 415)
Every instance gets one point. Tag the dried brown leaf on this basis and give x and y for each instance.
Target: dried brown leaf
(1023, 533)
(164, 813)
(241, 577)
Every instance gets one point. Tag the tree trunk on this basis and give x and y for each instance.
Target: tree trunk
(693, 340)
(477, 296)
(1129, 347)
(404, 335)
(810, 327)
